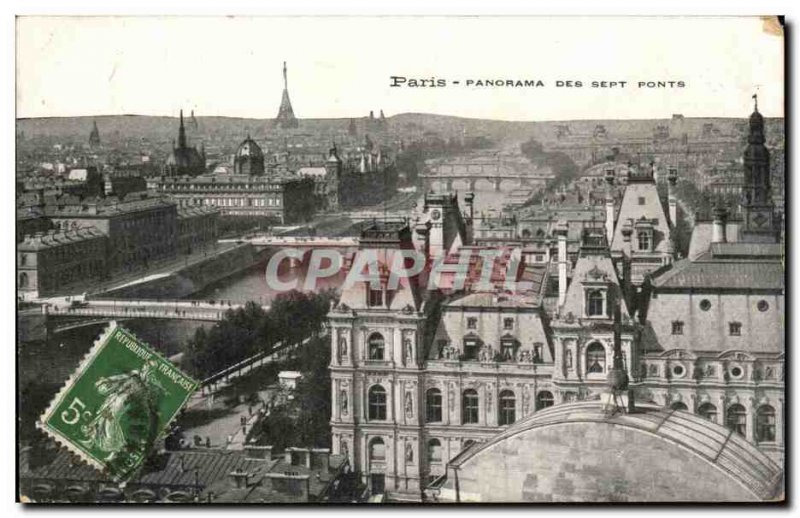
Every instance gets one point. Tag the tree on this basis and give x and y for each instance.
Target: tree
(243, 332)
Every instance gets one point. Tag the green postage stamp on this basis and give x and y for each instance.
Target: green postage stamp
(118, 401)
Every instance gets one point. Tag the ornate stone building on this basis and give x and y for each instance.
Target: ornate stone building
(376, 365)
(419, 375)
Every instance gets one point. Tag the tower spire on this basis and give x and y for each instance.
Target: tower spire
(181, 133)
(286, 118)
(755, 102)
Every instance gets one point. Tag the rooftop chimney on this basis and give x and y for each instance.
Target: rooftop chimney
(718, 226)
(561, 232)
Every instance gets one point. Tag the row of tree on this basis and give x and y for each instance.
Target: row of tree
(243, 332)
(303, 420)
(559, 163)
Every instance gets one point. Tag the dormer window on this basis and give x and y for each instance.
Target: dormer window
(596, 303)
(644, 240)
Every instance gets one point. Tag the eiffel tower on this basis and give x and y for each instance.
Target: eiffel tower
(285, 118)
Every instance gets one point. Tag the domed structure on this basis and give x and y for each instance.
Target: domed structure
(185, 160)
(249, 158)
(578, 453)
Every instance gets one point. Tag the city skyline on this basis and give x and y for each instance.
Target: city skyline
(104, 60)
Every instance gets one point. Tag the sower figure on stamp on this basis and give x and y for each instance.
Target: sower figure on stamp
(130, 397)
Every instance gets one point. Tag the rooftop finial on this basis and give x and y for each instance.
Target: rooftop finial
(755, 101)
(285, 79)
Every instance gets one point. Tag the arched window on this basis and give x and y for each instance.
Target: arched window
(23, 259)
(736, 419)
(595, 359)
(469, 406)
(708, 411)
(544, 399)
(433, 405)
(434, 450)
(508, 406)
(377, 403)
(765, 424)
(377, 450)
(679, 405)
(23, 280)
(594, 303)
(526, 233)
(376, 346)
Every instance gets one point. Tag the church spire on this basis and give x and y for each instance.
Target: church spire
(286, 118)
(182, 133)
(94, 135)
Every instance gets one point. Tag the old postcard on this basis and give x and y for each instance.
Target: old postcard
(406, 259)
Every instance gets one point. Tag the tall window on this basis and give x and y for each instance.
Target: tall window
(377, 450)
(375, 298)
(472, 323)
(677, 327)
(736, 419)
(376, 346)
(508, 404)
(433, 405)
(471, 349)
(23, 280)
(735, 328)
(507, 349)
(765, 424)
(544, 399)
(537, 353)
(643, 237)
(469, 406)
(434, 450)
(377, 403)
(708, 411)
(595, 359)
(594, 303)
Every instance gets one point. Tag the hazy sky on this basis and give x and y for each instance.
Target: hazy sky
(341, 67)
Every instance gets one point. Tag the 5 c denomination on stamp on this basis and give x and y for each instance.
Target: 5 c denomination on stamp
(118, 401)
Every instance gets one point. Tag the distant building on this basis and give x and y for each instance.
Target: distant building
(197, 228)
(249, 159)
(184, 160)
(48, 262)
(141, 228)
(287, 200)
(30, 220)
